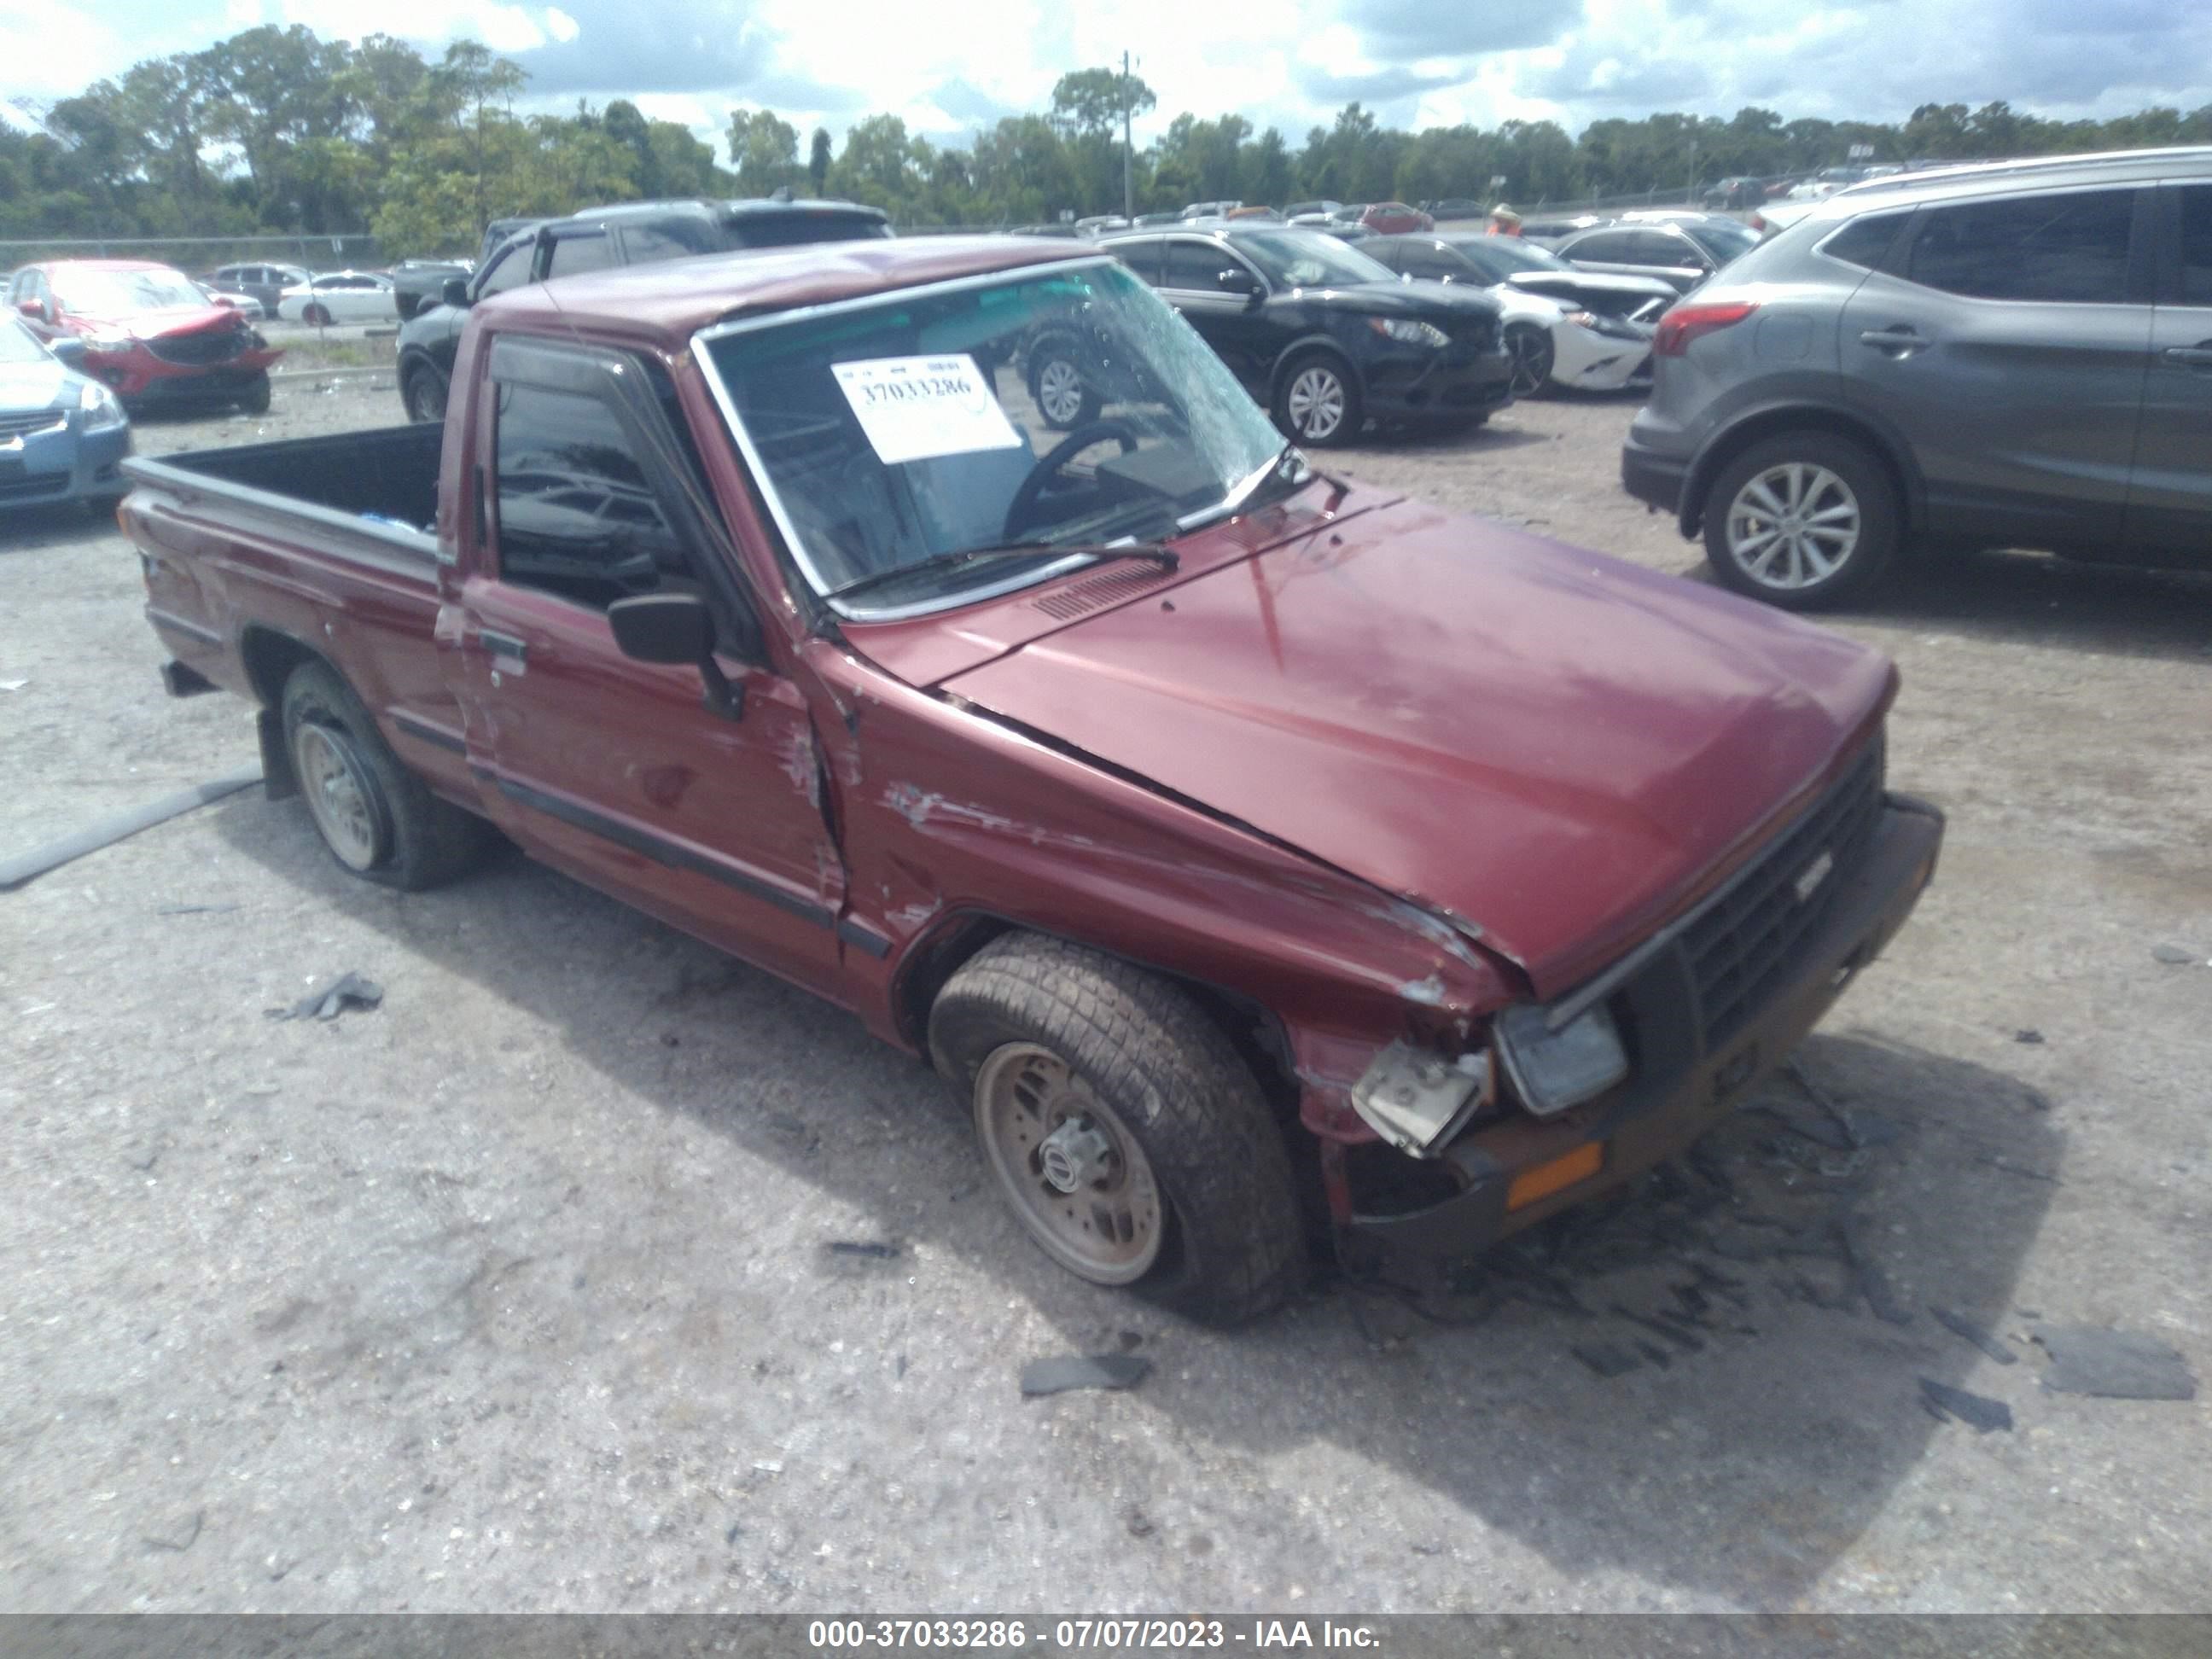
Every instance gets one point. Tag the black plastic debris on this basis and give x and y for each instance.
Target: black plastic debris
(1607, 1359)
(1960, 1326)
(874, 1248)
(1978, 1412)
(1084, 1370)
(2113, 1364)
(2028, 1035)
(347, 991)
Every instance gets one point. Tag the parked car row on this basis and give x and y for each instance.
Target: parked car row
(149, 334)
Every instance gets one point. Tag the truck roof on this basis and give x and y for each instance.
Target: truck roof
(676, 298)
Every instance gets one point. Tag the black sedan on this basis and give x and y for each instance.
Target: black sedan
(1323, 337)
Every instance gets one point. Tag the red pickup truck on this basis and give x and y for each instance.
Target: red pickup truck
(1255, 852)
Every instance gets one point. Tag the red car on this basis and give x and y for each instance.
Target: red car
(1395, 219)
(149, 333)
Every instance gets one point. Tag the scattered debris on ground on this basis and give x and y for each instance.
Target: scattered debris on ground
(347, 991)
(2027, 1034)
(1084, 1370)
(1978, 1412)
(876, 1250)
(1961, 1327)
(2113, 1364)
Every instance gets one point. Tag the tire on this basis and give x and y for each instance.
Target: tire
(1533, 352)
(1063, 398)
(1850, 527)
(254, 400)
(1123, 1057)
(1304, 402)
(319, 315)
(378, 819)
(424, 393)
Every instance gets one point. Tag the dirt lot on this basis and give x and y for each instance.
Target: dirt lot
(516, 1292)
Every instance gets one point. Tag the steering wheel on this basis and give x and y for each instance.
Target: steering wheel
(1026, 497)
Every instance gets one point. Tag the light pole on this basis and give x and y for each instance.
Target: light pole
(1128, 151)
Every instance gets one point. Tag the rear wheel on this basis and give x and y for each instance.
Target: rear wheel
(1058, 389)
(424, 393)
(1317, 400)
(1122, 1129)
(317, 313)
(378, 818)
(1532, 351)
(1802, 520)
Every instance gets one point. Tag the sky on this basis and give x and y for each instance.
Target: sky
(951, 67)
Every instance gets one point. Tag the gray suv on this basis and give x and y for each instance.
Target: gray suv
(2011, 355)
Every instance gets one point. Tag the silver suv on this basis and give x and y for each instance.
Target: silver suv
(2017, 355)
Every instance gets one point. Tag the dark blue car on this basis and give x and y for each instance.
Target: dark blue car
(63, 434)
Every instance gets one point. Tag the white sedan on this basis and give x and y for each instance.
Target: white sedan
(339, 297)
(1554, 345)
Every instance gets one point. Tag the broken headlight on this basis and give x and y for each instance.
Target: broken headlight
(1417, 1100)
(1550, 1070)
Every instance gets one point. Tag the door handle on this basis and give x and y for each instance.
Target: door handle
(2198, 356)
(1901, 341)
(499, 645)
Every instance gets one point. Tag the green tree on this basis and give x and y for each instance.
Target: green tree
(1091, 100)
(763, 151)
(817, 160)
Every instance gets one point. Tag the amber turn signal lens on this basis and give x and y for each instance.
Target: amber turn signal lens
(1585, 1161)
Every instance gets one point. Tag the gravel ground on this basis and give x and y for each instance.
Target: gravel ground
(516, 1292)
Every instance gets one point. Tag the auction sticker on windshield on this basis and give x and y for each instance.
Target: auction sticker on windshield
(914, 409)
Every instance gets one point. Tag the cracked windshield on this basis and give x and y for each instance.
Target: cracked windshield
(928, 449)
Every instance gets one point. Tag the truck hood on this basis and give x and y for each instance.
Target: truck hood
(1549, 746)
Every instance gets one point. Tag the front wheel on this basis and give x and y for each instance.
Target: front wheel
(1317, 401)
(377, 817)
(1130, 1140)
(254, 400)
(1802, 520)
(1532, 351)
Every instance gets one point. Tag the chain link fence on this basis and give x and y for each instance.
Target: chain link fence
(197, 255)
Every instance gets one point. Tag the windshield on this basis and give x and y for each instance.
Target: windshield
(1308, 259)
(1723, 242)
(1511, 253)
(1056, 409)
(18, 344)
(110, 293)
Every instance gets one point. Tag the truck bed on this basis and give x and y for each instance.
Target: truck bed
(383, 483)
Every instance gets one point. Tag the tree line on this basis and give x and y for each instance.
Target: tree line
(277, 131)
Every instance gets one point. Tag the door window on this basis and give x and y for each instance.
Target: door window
(1197, 267)
(2195, 245)
(1143, 257)
(1657, 247)
(1614, 247)
(577, 513)
(510, 270)
(2071, 247)
(574, 253)
(1433, 266)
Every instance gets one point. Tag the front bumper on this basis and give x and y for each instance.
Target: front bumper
(1410, 383)
(1658, 1116)
(1587, 361)
(65, 465)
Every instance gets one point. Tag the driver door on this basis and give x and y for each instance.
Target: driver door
(613, 770)
(1237, 325)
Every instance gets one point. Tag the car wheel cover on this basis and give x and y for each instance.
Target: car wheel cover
(1793, 525)
(1060, 390)
(1110, 1226)
(337, 795)
(1315, 402)
(1532, 360)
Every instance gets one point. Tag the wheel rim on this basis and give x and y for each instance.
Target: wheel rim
(1060, 391)
(1793, 525)
(421, 394)
(337, 797)
(1077, 1179)
(1532, 360)
(1315, 403)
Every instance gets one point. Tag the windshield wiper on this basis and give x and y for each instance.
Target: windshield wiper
(959, 558)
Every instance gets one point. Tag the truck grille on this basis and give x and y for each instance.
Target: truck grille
(213, 345)
(38, 420)
(1745, 937)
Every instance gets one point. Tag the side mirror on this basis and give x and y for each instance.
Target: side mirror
(675, 628)
(455, 292)
(1237, 280)
(33, 308)
(69, 348)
